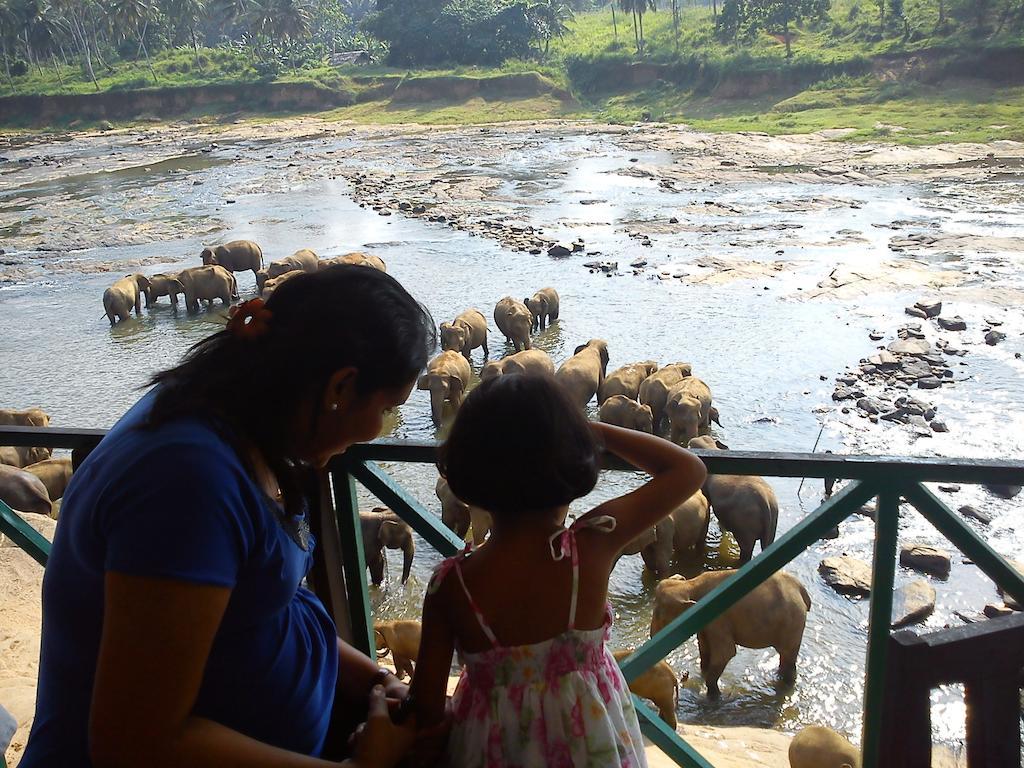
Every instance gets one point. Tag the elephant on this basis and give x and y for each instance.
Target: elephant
(655, 547)
(303, 260)
(55, 474)
(659, 685)
(515, 321)
(543, 306)
(274, 283)
(467, 332)
(745, 505)
(461, 517)
(23, 491)
(773, 615)
(819, 747)
(582, 374)
(626, 380)
(654, 389)
(535, 362)
(688, 408)
(402, 639)
(31, 417)
(22, 455)
(358, 258)
(623, 412)
(447, 378)
(383, 529)
(163, 285)
(684, 530)
(236, 256)
(207, 283)
(124, 294)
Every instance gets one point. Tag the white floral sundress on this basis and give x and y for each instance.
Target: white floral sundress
(560, 703)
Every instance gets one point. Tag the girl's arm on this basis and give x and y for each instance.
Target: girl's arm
(437, 644)
(156, 639)
(676, 474)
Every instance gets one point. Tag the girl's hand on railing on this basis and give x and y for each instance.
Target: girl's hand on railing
(379, 743)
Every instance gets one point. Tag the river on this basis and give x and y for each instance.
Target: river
(738, 284)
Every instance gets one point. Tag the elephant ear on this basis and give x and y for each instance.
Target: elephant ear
(579, 349)
(455, 385)
(423, 382)
(721, 446)
(381, 642)
(713, 415)
(143, 282)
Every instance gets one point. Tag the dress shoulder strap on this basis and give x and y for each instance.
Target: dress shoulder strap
(475, 608)
(563, 544)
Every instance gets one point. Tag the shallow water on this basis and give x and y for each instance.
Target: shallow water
(760, 346)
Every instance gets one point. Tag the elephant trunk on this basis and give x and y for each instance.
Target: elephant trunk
(437, 396)
(408, 551)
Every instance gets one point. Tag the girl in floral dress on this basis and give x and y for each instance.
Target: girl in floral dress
(528, 610)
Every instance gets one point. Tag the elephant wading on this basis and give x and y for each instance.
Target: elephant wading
(683, 531)
(461, 517)
(543, 306)
(23, 456)
(383, 529)
(124, 295)
(688, 409)
(582, 374)
(745, 505)
(659, 685)
(206, 284)
(274, 283)
(163, 285)
(303, 260)
(55, 474)
(773, 615)
(357, 258)
(626, 380)
(535, 362)
(23, 491)
(819, 747)
(620, 411)
(447, 378)
(467, 332)
(402, 639)
(514, 321)
(236, 256)
(32, 417)
(655, 388)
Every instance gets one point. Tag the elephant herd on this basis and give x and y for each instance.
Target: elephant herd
(30, 479)
(215, 279)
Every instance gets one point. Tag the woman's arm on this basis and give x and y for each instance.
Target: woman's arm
(434, 663)
(676, 474)
(156, 639)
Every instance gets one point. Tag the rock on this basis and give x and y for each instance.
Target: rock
(968, 511)
(912, 603)
(638, 264)
(910, 346)
(1003, 491)
(673, 220)
(994, 337)
(1010, 601)
(884, 359)
(876, 335)
(847, 393)
(955, 323)
(930, 307)
(950, 488)
(994, 611)
(603, 266)
(578, 245)
(910, 330)
(560, 249)
(846, 575)
(915, 312)
(926, 559)
(870, 405)
(938, 425)
(929, 382)
(915, 368)
(993, 322)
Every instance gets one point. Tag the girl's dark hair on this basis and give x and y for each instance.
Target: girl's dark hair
(249, 388)
(519, 445)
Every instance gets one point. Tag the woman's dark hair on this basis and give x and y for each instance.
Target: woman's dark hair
(321, 322)
(519, 445)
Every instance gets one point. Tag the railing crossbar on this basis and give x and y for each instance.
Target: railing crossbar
(666, 739)
(24, 535)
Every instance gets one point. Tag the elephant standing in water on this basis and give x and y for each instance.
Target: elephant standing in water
(207, 284)
(582, 374)
(447, 378)
(688, 408)
(383, 529)
(626, 380)
(467, 332)
(236, 256)
(356, 258)
(123, 295)
(515, 321)
(303, 260)
(461, 517)
(402, 638)
(163, 285)
(543, 305)
(620, 411)
(655, 388)
(55, 474)
(745, 505)
(535, 362)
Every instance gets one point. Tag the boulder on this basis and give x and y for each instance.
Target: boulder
(846, 575)
(930, 307)
(929, 382)
(915, 312)
(968, 511)
(910, 346)
(847, 393)
(912, 603)
(870, 405)
(926, 559)
(915, 368)
(994, 611)
(938, 425)
(560, 249)
(955, 323)
(876, 335)
(994, 337)
(1002, 491)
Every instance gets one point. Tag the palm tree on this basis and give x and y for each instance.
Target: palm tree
(8, 25)
(641, 7)
(133, 15)
(552, 15)
(291, 19)
(629, 6)
(188, 14)
(75, 13)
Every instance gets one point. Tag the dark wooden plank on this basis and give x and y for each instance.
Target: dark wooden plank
(50, 437)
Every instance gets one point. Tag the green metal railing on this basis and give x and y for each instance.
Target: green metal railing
(887, 479)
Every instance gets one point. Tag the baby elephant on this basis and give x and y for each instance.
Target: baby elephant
(819, 747)
(467, 332)
(23, 491)
(515, 321)
(654, 389)
(236, 256)
(772, 615)
(402, 639)
(620, 411)
(543, 305)
(383, 529)
(124, 295)
(658, 684)
(303, 260)
(163, 285)
(55, 474)
(447, 378)
(535, 362)
(459, 516)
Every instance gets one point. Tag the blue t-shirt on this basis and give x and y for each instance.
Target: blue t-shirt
(176, 503)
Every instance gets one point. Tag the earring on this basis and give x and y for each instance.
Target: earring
(334, 406)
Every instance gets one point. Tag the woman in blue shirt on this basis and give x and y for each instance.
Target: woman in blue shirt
(176, 631)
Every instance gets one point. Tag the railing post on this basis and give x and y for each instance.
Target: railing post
(880, 621)
(327, 577)
(993, 720)
(354, 562)
(905, 730)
